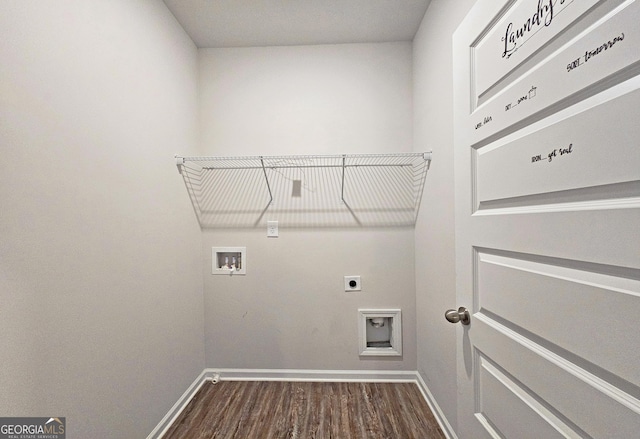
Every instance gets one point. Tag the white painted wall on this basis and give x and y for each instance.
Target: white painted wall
(348, 98)
(290, 310)
(100, 274)
(435, 240)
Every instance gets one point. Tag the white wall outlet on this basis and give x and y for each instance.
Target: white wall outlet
(352, 283)
(272, 229)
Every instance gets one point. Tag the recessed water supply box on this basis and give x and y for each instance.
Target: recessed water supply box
(380, 332)
(229, 260)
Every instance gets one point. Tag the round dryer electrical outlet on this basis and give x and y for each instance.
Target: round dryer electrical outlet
(352, 283)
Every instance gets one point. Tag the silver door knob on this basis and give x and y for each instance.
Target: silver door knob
(461, 315)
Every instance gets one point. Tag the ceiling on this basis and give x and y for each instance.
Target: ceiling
(246, 23)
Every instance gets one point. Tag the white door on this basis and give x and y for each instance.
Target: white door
(547, 152)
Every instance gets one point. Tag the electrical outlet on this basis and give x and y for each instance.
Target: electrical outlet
(272, 229)
(352, 283)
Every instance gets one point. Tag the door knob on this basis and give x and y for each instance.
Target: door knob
(461, 315)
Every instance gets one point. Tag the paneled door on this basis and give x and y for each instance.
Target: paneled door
(547, 162)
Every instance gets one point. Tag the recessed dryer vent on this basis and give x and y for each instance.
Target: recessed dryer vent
(380, 332)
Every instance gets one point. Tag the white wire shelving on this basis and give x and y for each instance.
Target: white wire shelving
(365, 190)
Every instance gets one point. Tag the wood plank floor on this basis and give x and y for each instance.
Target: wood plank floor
(305, 410)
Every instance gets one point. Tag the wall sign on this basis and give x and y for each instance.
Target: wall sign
(557, 152)
(522, 30)
(561, 73)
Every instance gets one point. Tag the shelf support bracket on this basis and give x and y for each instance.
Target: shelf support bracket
(179, 162)
(342, 188)
(266, 179)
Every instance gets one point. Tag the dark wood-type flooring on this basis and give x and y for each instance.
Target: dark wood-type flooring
(276, 409)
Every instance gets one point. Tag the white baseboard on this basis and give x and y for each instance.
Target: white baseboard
(180, 405)
(435, 408)
(369, 376)
(315, 375)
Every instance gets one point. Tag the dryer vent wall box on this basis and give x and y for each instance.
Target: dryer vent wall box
(380, 332)
(229, 260)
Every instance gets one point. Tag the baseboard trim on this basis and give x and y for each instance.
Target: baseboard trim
(180, 405)
(435, 408)
(314, 375)
(302, 375)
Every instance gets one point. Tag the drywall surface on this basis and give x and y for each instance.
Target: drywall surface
(435, 255)
(100, 276)
(290, 311)
(333, 99)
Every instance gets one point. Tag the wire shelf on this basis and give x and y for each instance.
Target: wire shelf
(306, 190)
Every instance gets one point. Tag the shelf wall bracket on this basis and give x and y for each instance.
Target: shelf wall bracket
(266, 179)
(342, 187)
(179, 163)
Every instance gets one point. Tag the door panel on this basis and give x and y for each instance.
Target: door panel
(548, 218)
(502, 398)
(578, 294)
(565, 153)
(603, 54)
(589, 404)
(518, 30)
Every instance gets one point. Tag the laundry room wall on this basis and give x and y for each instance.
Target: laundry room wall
(290, 310)
(435, 240)
(101, 316)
